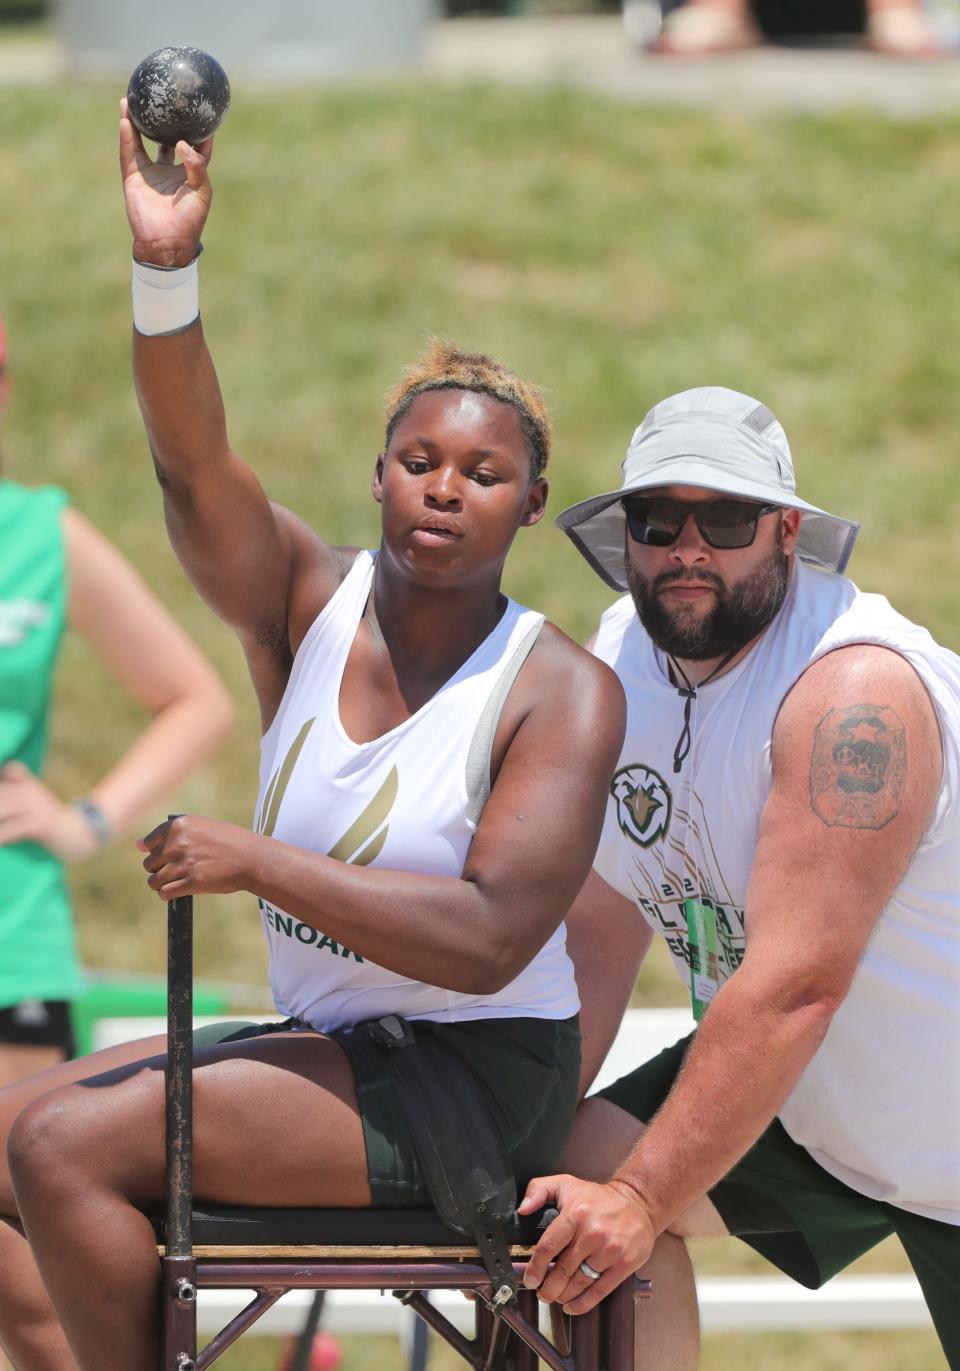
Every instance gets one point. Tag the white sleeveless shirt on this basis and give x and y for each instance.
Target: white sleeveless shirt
(879, 1105)
(409, 801)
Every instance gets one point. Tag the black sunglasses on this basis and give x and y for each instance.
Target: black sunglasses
(657, 522)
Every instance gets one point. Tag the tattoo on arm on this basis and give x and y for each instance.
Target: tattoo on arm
(858, 767)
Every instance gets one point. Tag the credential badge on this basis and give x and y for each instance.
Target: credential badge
(643, 803)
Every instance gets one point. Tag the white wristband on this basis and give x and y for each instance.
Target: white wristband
(165, 299)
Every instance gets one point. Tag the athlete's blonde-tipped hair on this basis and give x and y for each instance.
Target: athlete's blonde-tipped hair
(444, 366)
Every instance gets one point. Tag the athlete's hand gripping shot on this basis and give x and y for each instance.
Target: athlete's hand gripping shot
(434, 765)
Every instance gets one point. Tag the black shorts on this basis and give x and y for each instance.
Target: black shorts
(527, 1070)
(38, 1023)
(783, 1204)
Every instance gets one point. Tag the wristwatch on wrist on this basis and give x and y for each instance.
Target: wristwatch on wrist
(94, 817)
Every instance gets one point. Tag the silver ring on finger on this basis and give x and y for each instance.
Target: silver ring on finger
(590, 1272)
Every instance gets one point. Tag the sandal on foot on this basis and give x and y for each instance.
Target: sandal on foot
(702, 30)
(901, 31)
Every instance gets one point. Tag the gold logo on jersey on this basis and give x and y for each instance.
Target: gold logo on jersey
(644, 803)
(275, 791)
(364, 839)
(361, 842)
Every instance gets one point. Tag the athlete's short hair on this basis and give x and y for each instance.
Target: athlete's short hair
(444, 366)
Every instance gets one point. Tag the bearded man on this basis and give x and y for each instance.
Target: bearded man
(785, 815)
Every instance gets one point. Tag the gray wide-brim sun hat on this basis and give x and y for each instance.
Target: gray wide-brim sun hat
(717, 439)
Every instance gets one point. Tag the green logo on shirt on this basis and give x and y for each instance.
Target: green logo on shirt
(18, 617)
(643, 802)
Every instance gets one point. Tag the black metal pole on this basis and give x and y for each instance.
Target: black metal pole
(179, 1083)
(179, 1270)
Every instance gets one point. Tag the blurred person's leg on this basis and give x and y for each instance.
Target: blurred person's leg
(900, 28)
(701, 27)
(30, 1332)
(34, 1035)
(16, 1063)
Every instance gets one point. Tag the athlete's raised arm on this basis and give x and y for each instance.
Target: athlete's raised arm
(257, 567)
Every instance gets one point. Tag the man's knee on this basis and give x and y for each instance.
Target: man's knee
(603, 1136)
(701, 1220)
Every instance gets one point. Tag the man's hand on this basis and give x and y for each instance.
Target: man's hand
(167, 204)
(31, 812)
(605, 1226)
(189, 855)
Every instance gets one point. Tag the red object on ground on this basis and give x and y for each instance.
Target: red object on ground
(325, 1353)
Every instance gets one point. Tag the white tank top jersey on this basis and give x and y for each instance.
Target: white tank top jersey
(879, 1105)
(409, 801)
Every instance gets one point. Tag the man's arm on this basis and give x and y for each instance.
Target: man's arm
(607, 940)
(856, 770)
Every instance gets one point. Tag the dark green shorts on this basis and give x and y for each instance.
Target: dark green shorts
(527, 1070)
(779, 1201)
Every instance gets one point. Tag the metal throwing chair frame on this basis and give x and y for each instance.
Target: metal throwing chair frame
(408, 1252)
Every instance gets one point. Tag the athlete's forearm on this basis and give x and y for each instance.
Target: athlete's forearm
(439, 929)
(746, 1058)
(181, 404)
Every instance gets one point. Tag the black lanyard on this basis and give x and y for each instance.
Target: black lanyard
(688, 693)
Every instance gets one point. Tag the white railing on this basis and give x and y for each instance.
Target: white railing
(727, 1304)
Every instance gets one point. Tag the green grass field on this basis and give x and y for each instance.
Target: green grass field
(723, 1352)
(613, 253)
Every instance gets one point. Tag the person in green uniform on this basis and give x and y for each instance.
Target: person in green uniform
(57, 570)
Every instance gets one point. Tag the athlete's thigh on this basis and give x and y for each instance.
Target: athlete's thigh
(602, 1138)
(275, 1122)
(15, 1098)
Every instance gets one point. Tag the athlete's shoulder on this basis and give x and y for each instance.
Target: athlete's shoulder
(309, 549)
(567, 675)
(318, 569)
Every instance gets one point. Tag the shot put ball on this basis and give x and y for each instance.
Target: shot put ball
(178, 93)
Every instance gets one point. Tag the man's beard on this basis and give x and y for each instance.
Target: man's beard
(739, 613)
